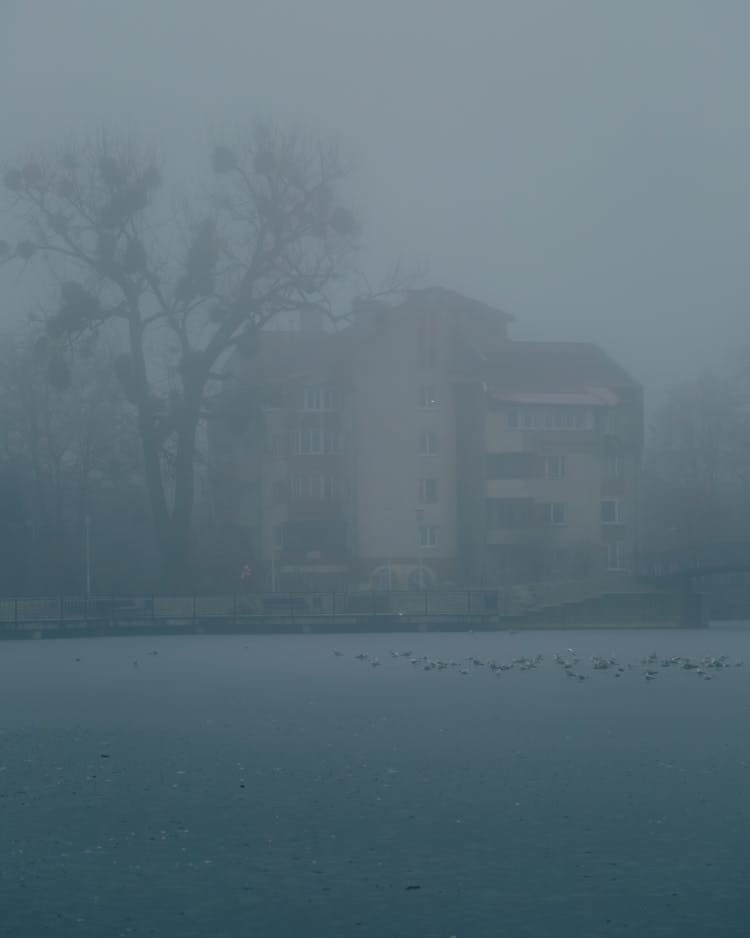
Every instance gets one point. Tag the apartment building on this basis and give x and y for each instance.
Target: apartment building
(560, 426)
(419, 446)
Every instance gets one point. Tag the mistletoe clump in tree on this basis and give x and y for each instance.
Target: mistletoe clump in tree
(184, 287)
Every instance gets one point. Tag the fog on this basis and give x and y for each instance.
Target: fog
(514, 730)
(580, 165)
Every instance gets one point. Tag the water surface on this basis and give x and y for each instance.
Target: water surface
(228, 786)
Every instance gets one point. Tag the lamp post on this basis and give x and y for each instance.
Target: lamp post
(420, 520)
(274, 550)
(87, 553)
(387, 510)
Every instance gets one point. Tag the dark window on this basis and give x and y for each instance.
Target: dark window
(554, 466)
(510, 465)
(428, 443)
(510, 512)
(553, 513)
(613, 466)
(321, 398)
(428, 491)
(612, 511)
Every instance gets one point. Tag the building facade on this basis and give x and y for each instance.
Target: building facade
(419, 446)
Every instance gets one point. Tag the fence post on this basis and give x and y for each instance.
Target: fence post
(234, 609)
(113, 611)
(15, 612)
(194, 615)
(333, 606)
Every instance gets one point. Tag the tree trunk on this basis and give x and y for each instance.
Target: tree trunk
(172, 527)
(184, 492)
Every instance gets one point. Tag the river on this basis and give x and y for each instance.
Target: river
(441, 785)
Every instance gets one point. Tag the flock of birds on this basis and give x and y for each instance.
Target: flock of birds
(570, 663)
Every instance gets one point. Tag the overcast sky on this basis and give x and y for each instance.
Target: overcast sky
(582, 164)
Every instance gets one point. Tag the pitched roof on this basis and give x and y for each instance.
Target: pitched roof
(285, 355)
(554, 366)
(449, 299)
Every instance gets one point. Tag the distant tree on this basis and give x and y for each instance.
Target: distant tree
(61, 449)
(181, 288)
(15, 546)
(695, 473)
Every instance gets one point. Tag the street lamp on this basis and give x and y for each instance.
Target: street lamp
(389, 573)
(420, 520)
(87, 553)
(274, 551)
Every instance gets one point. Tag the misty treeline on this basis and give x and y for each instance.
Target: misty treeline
(696, 470)
(146, 294)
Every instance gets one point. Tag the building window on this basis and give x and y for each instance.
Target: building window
(513, 513)
(383, 579)
(321, 398)
(567, 418)
(554, 466)
(427, 398)
(301, 486)
(606, 421)
(314, 486)
(553, 513)
(534, 417)
(428, 535)
(333, 441)
(312, 441)
(613, 466)
(428, 443)
(428, 491)
(308, 441)
(277, 444)
(612, 511)
(311, 399)
(510, 465)
(616, 556)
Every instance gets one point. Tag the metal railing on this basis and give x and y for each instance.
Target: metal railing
(116, 610)
(458, 605)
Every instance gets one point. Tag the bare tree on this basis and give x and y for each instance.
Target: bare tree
(65, 448)
(694, 470)
(182, 287)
